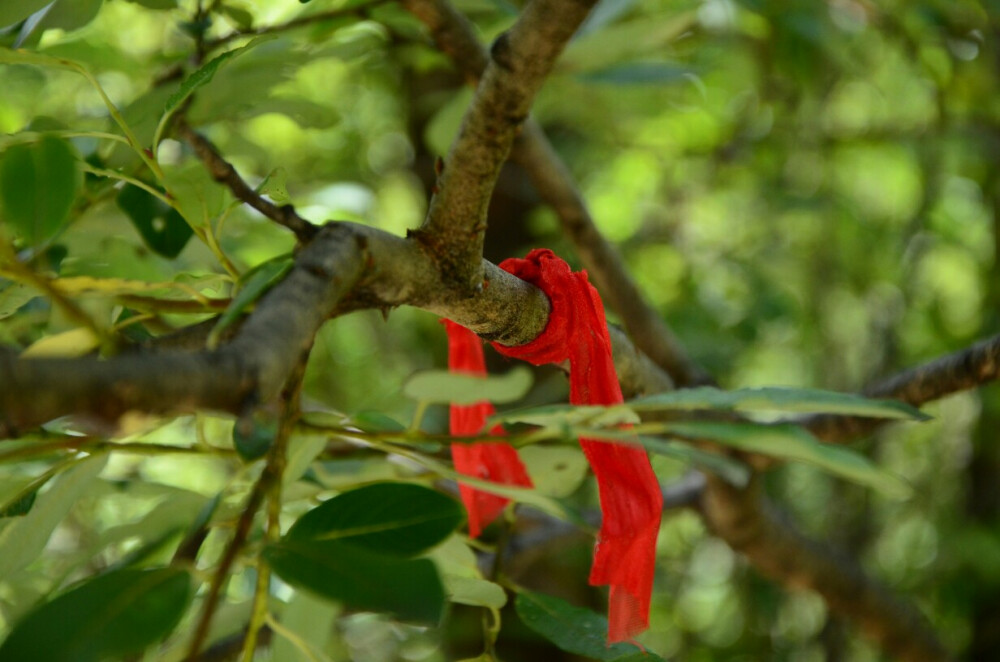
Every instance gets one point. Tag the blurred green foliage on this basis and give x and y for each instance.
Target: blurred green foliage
(807, 191)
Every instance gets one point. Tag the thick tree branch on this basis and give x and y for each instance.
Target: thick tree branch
(959, 371)
(520, 59)
(223, 172)
(251, 368)
(457, 38)
(346, 267)
(749, 525)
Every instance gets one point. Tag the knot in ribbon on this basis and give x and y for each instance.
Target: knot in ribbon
(631, 502)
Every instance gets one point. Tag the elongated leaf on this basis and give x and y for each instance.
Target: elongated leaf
(38, 184)
(791, 442)
(253, 437)
(572, 629)
(203, 75)
(259, 282)
(474, 592)
(311, 619)
(23, 540)
(162, 227)
(398, 519)
(732, 471)
(9, 56)
(14, 11)
(555, 470)
(561, 415)
(116, 614)
(360, 578)
(443, 387)
(798, 400)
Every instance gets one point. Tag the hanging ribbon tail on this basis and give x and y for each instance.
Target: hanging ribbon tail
(631, 502)
(493, 461)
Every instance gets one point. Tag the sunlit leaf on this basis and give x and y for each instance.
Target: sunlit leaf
(443, 387)
(75, 342)
(116, 614)
(555, 470)
(561, 415)
(203, 75)
(23, 540)
(779, 400)
(38, 185)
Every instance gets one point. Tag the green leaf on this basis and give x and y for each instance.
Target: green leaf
(443, 387)
(70, 14)
(253, 437)
(9, 56)
(23, 540)
(203, 75)
(463, 582)
(13, 296)
(311, 620)
(408, 589)
(799, 400)
(38, 185)
(116, 614)
(21, 506)
(639, 73)
(791, 442)
(474, 591)
(376, 421)
(14, 11)
(241, 17)
(572, 629)
(563, 415)
(156, 4)
(256, 284)
(732, 471)
(275, 187)
(398, 519)
(555, 470)
(162, 228)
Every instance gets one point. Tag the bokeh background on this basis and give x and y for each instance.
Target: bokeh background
(806, 190)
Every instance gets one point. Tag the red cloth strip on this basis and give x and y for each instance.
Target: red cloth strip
(631, 501)
(494, 461)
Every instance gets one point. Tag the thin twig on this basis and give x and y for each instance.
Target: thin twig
(276, 462)
(268, 485)
(958, 371)
(520, 60)
(456, 37)
(223, 172)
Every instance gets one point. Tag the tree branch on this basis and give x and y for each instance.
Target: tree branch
(223, 172)
(959, 371)
(775, 548)
(251, 368)
(457, 38)
(520, 59)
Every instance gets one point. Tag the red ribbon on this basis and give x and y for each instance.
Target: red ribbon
(494, 461)
(631, 501)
